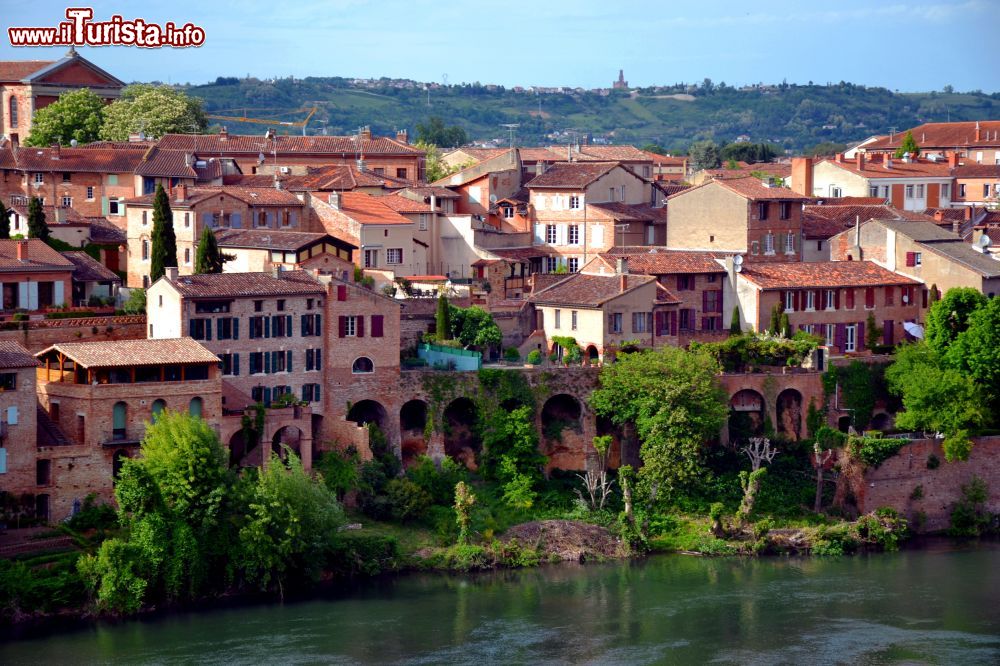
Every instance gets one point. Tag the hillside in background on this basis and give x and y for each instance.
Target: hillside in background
(796, 117)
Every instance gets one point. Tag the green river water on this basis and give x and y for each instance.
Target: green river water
(936, 605)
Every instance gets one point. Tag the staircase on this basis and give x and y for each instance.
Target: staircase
(49, 434)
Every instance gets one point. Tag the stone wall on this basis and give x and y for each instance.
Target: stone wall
(893, 482)
(42, 334)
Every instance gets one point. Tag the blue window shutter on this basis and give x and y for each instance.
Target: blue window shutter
(288, 360)
(303, 326)
(3, 461)
(208, 329)
(316, 391)
(218, 328)
(267, 363)
(206, 219)
(236, 221)
(318, 326)
(293, 218)
(236, 364)
(309, 359)
(267, 327)
(12, 415)
(236, 328)
(288, 326)
(191, 329)
(267, 396)
(270, 218)
(319, 359)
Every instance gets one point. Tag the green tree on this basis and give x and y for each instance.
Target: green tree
(673, 398)
(510, 453)
(654, 148)
(976, 350)
(947, 318)
(5, 214)
(442, 318)
(153, 110)
(734, 322)
(75, 115)
(37, 227)
(136, 303)
(172, 502)
(292, 520)
(164, 252)
(475, 327)
(434, 168)
(936, 398)
(465, 499)
(435, 132)
(908, 145)
(704, 155)
(209, 258)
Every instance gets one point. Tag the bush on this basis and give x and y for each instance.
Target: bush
(873, 451)
(75, 314)
(93, 516)
(512, 355)
(969, 516)
(20, 316)
(438, 483)
(407, 500)
(339, 469)
(534, 357)
(365, 553)
(933, 462)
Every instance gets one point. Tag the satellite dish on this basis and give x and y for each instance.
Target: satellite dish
(493, 198)
(984, 241)
(73, 142)
(738, 260)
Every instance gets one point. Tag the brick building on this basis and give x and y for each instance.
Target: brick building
(98, 397)
(978, 141)
(33, 275)
(741, 215)
(829, 299)
(18, 425)
(908, 184)
(263, 250)
(385, 237)
(193, 209)
(977, 184)
(29, 85)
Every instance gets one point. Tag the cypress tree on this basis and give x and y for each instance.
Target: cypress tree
(37, 228)
(164, 252)
(208, 258)
(5, 214)
(734, 325)
(442, 318)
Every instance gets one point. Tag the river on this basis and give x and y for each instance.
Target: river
(936, 605)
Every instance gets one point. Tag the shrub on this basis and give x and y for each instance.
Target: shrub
(873, 451)
(969, 516)
(512, 355)
(20, 316)
(339, 468)
(534, 357)
(933, 462)
(438, 483)
(407, 500)
(93, 516)
(361, 552)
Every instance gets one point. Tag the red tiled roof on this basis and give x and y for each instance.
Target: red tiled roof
(99, 160)
(539, 154)
(104, 232)
(439, 192)
(13, 355)
(236, 285)
(621, 153)
(16, 70)
(875, 168)
(328, 178)
(268, 239)
(624, 212)
(658, 261)
(821, 222)
(72, 216)
(38, 257)
(167, 163)
(587, 290)
(334, 223)
(943, 135)
(850, 201)
(521, 253)
(253, 144)
(991, 171)
(753, 188)
(88, 269)
(402, 204)
(571, 175)
(366, 209)
(822, 275)
(254, 196)
(118, 353)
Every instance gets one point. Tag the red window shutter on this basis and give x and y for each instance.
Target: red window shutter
(796, 305)
(923, 295)
(784, 298)
(818, 303)
(342, 323)
(704, 301)
(718, 301)
(870, 297)
(377, 326)
(341, 292)
(680, 283)
(360, 326)
(659, 323)
(850, 299)
(859, 343)
(836, 299)
(673, 323)
(911, 258)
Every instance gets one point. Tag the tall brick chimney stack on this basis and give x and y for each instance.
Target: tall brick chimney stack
(859, 160)
(22, 250)
(621, 267)
(403, 136)
(182, 191)
(953, 159)
(802, 176)
(366, 133)
(978, 132)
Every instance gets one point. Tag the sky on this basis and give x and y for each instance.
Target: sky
(916, 45)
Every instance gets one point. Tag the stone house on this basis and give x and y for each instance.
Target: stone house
(33, 275)
(912, 184)
(977, 141)
(262, 250)
(19, 472)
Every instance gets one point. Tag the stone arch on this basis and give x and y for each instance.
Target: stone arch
(881, 421)
(239, 448)
(788, 411)
(844, 423)
(159, 406)
(287, 436)
(746, 415)
(561, 411)
(368, 411)
(196, 406)
(117, 462)
(592, 353)
(460, 440)
(412, 428)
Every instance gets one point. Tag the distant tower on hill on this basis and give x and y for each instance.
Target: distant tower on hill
(621, 83)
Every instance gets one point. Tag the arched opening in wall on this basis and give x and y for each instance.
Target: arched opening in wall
(789, 414)
(368, 411)
(159, 406)
(620, 454)
(560, 412)
(844, 423)
(117, 462)
(317, 429)
(195, 407)
(240, 449)
(412, 424)
(592, 354)
(460, 440)
(746, 416)
(287, 438)
(882, 421)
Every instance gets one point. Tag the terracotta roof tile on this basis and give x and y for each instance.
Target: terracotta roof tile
(38, 257)
(93, 160)
(571, 175)
(943, 135)
(620, 153)
(172, 163)
(587, 290)
(624, 212)
(104, 232)
(253, 144)
(874, 168)
(17, 70)
(991, 171)
(119, 353)
(88, 269)
(821, 274)
(658, 261)
(368, 209)
(821, 222)
(238, 285)
(753, 188)
(71, 215)
(268, 239)
(13, 355)
(439, 192)
(402, 204)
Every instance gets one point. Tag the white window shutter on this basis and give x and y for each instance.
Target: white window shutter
(57, 292)
(12, 415)
(597, 236)
(562, 234)
(32, 295)
(539, 233)
(22, 294)
(540, 202)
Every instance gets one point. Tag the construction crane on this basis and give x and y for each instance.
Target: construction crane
(270, 121)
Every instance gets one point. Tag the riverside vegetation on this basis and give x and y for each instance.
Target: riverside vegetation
(188, 528)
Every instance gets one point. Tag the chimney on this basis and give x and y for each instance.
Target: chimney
(22, 250)
(939, 215)
(170, 272)
(60, 215)
(402, 136)
(223, 134)
(182, 191)
(953, 159)
(969, 210)
(362, 166)
(276, 272)
(978, 133)
(188, 159)
(621, 267)
(887, 161)
(366, 133)
(859, 160)
(802, 176)
(956, 227)
(839, 157)
(334, 200)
